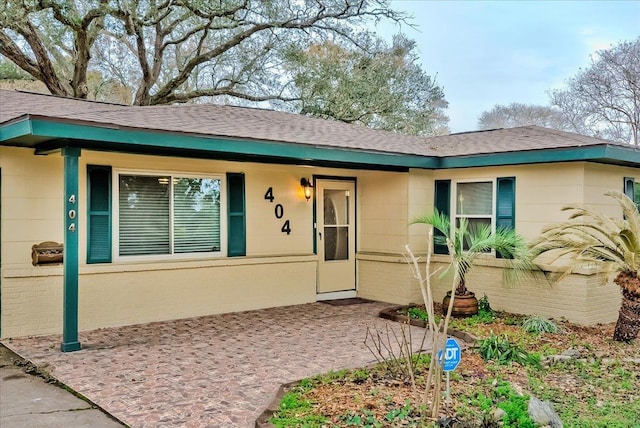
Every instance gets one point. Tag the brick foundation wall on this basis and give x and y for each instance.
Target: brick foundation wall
(582, 299)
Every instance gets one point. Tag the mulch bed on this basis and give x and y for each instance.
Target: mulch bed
(398, 314)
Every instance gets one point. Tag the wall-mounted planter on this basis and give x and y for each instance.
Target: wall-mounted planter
(46, 253)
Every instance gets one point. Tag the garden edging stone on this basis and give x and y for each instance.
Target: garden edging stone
(274, 405)
(392, 314)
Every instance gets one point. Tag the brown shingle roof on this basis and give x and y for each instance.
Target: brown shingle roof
(213, 120)
(266, 125)
(511, 140)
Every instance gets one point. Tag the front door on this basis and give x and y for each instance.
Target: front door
(335, 238)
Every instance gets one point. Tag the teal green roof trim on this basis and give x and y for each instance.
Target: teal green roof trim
(151, 141)
(15, 130)
(46, 135)
(624, 154)
(603, 153)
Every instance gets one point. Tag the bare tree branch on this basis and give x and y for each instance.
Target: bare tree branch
(604, 99)
(166, 48)
(12, 51)
(215, 92)
(517, 114)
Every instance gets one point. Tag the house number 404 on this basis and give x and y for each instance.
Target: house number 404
(278, 211)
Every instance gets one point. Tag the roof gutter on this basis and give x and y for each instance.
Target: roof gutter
(46, 136)
(605, 153)
(16, 129)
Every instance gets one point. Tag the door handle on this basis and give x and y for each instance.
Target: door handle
(320, 235)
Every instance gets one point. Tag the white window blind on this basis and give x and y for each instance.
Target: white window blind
(168, 215)
(196, 209)
(475, 199)
(144, 215)
(474, 202)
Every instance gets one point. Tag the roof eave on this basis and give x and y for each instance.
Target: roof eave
(46, 135)
(603, 153)
(16, 130)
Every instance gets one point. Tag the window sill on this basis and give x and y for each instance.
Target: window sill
(486, 261)
(98, 268)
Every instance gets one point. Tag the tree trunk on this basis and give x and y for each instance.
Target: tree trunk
(461, 289)
(628, 324)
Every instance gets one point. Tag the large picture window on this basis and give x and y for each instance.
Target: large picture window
(168, 214)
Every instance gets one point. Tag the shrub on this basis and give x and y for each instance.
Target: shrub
(418, 314)
(296, 411)
(503, 396)
(485, 314)
(538, 324)
(483, 304)
(502, 351)
(482, 317)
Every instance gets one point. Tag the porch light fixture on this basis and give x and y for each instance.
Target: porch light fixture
(307, 186)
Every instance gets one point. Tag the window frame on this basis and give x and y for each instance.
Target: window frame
(454, 201)
(454, 204)
(115, 230)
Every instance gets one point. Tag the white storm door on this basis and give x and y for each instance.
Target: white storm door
(335, 238)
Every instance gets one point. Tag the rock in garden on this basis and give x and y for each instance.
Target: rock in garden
(573, 353)
(542, 413)
(556, 359)
(497, 414)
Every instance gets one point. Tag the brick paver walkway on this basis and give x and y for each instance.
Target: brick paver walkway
(214, 371)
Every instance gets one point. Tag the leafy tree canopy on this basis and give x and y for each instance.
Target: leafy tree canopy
(10, 71)
(517, 114)
(381, 87)
(175, 50)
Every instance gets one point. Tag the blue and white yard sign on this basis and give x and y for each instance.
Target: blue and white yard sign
(452, 353)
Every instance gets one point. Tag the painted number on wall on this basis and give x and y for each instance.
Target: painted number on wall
(278, 211)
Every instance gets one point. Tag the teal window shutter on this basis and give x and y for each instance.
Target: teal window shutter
(99, 214)
(629, 188)
(632, 191)
(505, 204)
(442, 203)
(236, 215)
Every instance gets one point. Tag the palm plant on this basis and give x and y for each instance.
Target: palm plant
(466, 244)
(592, 240)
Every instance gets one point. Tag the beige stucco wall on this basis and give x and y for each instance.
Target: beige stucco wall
(382, 211)
(262, 225)
(32, 203)
(115, 295)
(384, 277)
(583, 299)
(541, 191)
(601, 178)
(279, 269)
(421, 194)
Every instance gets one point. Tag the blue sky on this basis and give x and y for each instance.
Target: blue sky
(498, 52)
